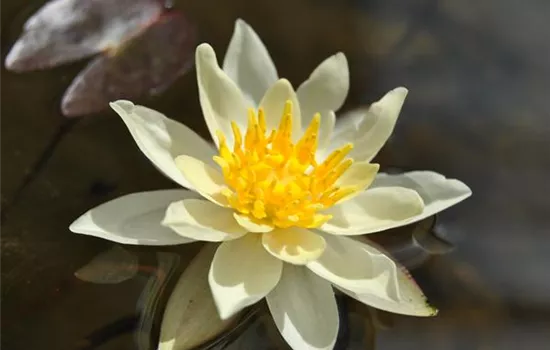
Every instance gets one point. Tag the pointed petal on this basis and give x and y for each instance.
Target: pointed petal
(248, 63)
(377, 124)
(203, 178)
(133, 219)
(162, 139)
(294, 245)
(349, 264)
(242, 273)
(324, 91)
(438, 192)
(374, 210)
(221, 99)
(202, 220)
(273, 104)
(304, 309)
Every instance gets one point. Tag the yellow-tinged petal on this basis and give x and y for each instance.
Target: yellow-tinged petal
(250, 225)
(205, 180)
(273, 104)
(294, 245)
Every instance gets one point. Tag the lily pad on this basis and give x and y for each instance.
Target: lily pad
(145, 65)
(112, 266)
(67, 30)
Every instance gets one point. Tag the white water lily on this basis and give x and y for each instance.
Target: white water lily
(282, 192)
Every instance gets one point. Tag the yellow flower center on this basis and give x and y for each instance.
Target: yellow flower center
(277, 182)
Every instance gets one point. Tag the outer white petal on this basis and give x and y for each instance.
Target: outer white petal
(133, 219)
(202, 220)
(438, 192)
(162, 139)
(367, 127)
(324, 91)
(241, 274)
(273, 104)
(374, 210)
(377, 124)
(304, 309)
(221, 99)
(248, 63)
(347, 263)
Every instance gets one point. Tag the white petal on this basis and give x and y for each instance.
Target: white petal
(248, 63)
(273, 104)
(304, 309)
(374, 210)
(133, 219)
(251, 226)
(202, 220)
(324, 91)
(344, 131)
(349, 264)
(221, 99)
(438, 192)
(294, 245)
(205, 179)
(392, 288)
(241, 274)
(377, 124)
(162, 139)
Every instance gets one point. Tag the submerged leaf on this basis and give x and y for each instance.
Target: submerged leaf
(145, 65)
(67, 30)
(110, 267)
(153, 299)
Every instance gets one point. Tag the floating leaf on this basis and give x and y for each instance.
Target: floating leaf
(191, 319)
(110, 267)
(67, 30)
(147, 64)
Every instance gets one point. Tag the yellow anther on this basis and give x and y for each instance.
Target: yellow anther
(272, 179)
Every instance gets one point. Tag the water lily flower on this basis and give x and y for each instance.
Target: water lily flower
(284, 191)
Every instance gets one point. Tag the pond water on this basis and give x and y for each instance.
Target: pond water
(478, 110)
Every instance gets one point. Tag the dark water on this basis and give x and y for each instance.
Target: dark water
(478, 73)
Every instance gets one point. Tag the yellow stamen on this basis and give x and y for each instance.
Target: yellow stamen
(277, 182)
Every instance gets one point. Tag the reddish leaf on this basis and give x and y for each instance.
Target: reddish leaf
(147, 64)
(67, 30)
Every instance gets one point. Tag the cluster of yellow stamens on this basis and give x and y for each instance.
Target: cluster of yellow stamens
(277, 182)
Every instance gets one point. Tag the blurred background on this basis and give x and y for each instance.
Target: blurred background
(478, 110)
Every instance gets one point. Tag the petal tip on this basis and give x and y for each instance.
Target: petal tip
(402, 91)
(205, 51)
